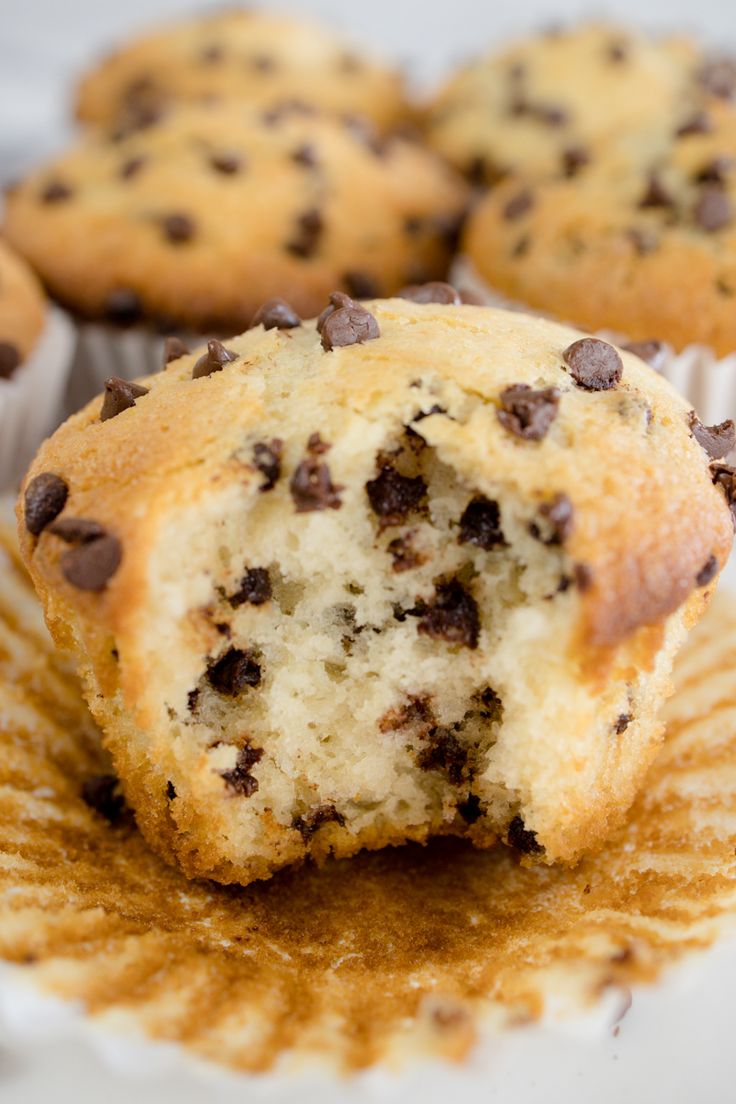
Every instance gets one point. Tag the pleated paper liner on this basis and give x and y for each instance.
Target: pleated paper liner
(381, 960)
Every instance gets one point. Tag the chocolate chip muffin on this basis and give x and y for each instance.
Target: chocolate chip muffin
(251, 56)
(22, 311)
(412, 568)
(195, 220)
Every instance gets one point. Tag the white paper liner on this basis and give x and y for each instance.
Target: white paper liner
(32, 401)
(705, 380)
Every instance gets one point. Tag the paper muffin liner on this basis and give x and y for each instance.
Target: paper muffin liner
(32, 401)
(707, 381)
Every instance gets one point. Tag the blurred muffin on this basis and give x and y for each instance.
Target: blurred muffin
(415, 568)
(22, 311)
(247, 55)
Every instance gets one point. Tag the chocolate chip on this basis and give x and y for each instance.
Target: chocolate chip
(470, 809)
(617, 51)
(102, 793)
(178, 228)
(558, 518)
(132, 167)
(174, 349)
(521, 838)
(233, 672)
(226, 163)
(212, 54)
(215, 359)
(403, 554)
(394, 496)
(349, 325)
(697, 123)
(44, 500)
(170, 791)
(717, 440)
(9, 359)
(123, 306)
(452, 616)
(311, 485)
(518, 205)
(433, 292)
(305, 155)
(582, 577)
(715, 171)
(361, 285)
(120, 395)
(713, 210)
(276, 314)
(91, 565)
(444, 752)
(77, 530)
(718, 76)
(193, 700)
(255, 588)
(263, 63)
(56, 191)
(551, 115)
(308, 823)
(310, 227)
(594, 364)
(621, 723)
(724, 476)
(574, 158)
(239, 779)
(527, 413)
(267, 459)
(655, 194)
(707, 572)
(480, 524)
(337, 299)
(653, 353)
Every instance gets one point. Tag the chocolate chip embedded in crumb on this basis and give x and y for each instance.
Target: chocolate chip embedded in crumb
(452, 615)
(617, 51)
(594, 364)
(170, 791)
(91, 565)
(558, 520)
(103, 794)
(713, 210)
(174, 349)
(527, 413)
(717, 440)
(311, 484)
(518, 205)
(574, 158)
(120, 395)
(349, 325)
(276, 314)
(394, 496)
(434, 292)
(724, 476)
(9, 359)
(403, 554)
(255, 588)
(309, 229)
(470, 809)
(56, 191)
(233, 672)
(653, 353)
(707, 572)
(521, 838)
(215, 359)
(44, 499)
(480, 524)
(267, 459)
(178, 228)
(621, 723)
(444, 752)
(226, 163)
(123, 306)
(77, 530)
(656, 194)
(309, 823)
(239, 780)
(715, 171)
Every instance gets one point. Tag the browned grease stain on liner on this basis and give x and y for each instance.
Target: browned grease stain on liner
(392, 953)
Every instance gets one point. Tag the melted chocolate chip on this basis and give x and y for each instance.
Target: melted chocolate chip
(233, 672)
(9, 359)
(527, 413)
(123, 306)
(655, 194)
(518, 205)
(697, 123)
(521, 838)
(77, 530)
(174, 349)
(433, 292)
(452, 616)
(594, 364)
(255, 588)
(132, 167)
(653, 353)
(309, 823)
(707, 572)
(361, 285)
(215, 359)
(120, 395)
(393, 496)
(310, 227)
(56, 191)
(348, 325)
(716, 441)
(44, 499)
(311, 484)
(621, 723)
(239, 780)
(713, 210)
(267, 459)
(444, 752)
(470, 809)
(305, 156)
(227, 163)
(91, 565)
(480, 524)
(558, 520)
(102, 793)
(178, 228)
(574, 158)
(276, 314)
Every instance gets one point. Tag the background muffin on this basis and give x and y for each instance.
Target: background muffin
(381, 578)
(22, 311)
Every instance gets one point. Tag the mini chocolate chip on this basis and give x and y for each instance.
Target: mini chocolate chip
(707, 572)
(718, 76)
(653, 353)
(233, 672)
(350, 325)
(480, 524)
(452, 615)
(361, 285)
(44, 499)
(717, 440)
(337, 299)
(521, 838)
(214, 360)
(239, 779)
(267, 459)
(393, 496)
(518, 205)
(304, 155)
(91, 565)
(697, 123)
(655, 194)
(276, 314)
(102, 793)
(594, 364)
(527, 413)
(174, 349)
(621, 723)
(309, 823)
(444, 752)
(178, 228)
(470, 809)
(311, 485)
(255, 588)
(132, 167)
(574, 158)
(713, 210)
(227, 163)
(123, 306)
(9, 359)
(56, 191)
(559, 519)
(77, 530)
(120, 395)
(433, 292)
(310, 227)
